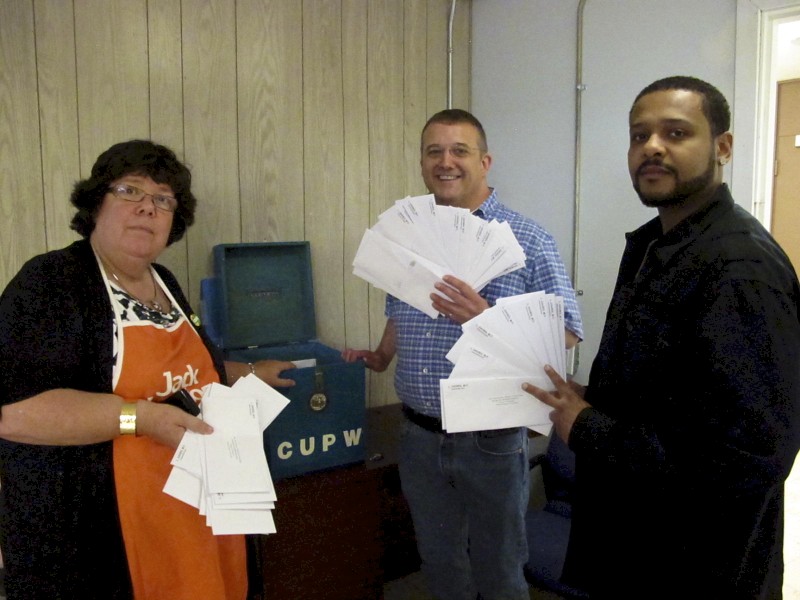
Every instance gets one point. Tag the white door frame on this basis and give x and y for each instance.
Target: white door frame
(754, 102)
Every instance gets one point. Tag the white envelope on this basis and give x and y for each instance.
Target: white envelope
(233, 522)
(236, 464)
(496, 403)
(490, 357)
(270, 401)
(185, 487)
(398, 271)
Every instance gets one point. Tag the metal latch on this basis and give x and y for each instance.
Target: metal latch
(318, 400)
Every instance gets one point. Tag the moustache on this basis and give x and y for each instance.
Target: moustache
(654, 162)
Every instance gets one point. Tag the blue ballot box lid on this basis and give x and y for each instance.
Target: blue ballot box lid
(261, 295)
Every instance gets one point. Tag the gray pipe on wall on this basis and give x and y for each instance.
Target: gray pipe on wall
(450, 54)
(580, 87)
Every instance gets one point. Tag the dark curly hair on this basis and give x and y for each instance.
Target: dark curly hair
(134, 157)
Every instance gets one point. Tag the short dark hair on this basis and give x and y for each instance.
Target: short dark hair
(134, 157)
(715, 107)
(452, 116)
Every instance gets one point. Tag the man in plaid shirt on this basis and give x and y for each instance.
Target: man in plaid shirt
(468, 492)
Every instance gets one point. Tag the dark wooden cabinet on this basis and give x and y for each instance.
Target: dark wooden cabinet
(344, 532)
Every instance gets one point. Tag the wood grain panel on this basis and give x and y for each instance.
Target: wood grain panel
(165, 67)
(462, 53)
(438, 15)
(165, 71)
(415, 107)
(270, 120)
(113, 84)
(209, 95)
(387, 170)
(323, 126)
(356, 169)
(22, 226)
(58, 115)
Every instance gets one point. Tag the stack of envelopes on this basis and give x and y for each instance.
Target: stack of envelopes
(417, 242)
(225, 474)
(500, 349)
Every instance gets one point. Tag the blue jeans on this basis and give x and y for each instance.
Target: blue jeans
(468, 494)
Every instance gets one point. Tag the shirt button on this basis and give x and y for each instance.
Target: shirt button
(428, 334)
(425, 370)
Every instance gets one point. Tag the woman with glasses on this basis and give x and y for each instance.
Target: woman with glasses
(93, 339)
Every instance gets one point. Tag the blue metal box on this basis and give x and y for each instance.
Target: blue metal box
(260, 304)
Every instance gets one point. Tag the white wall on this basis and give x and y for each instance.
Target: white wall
(524, 92)
(523, 69)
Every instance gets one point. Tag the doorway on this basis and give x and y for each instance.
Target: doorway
(786, 179)
(779, 61)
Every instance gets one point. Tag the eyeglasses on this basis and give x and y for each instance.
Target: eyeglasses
(131, 193)
(456, 151)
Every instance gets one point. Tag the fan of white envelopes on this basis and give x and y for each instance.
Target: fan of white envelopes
(417, 242)
(499, 350)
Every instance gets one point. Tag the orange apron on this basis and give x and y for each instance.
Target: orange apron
(171, 551)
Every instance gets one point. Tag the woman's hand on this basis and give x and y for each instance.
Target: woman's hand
(166, 424)
(270, 371)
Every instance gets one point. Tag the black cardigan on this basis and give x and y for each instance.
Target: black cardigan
(59, 527)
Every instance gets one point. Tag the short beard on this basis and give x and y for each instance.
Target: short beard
(682, 191)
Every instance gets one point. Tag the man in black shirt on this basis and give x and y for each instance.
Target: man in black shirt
(690, 422)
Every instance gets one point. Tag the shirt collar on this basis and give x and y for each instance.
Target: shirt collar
(488, 207)
(667, 244)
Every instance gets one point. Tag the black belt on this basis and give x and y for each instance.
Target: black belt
(431, 424)
(434, 425)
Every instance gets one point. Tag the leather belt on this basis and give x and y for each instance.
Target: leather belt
(431, 424)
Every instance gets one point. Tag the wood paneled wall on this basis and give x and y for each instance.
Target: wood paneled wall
(300, 120)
